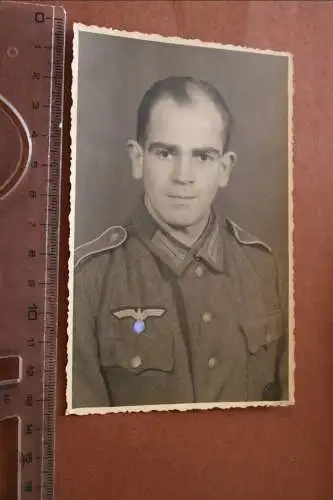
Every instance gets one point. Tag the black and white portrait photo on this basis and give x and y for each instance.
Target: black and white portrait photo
(180, 269)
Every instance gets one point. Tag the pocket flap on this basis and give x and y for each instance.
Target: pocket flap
(138, 354)
(262, 332)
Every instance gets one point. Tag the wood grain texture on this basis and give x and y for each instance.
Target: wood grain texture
(282, 453)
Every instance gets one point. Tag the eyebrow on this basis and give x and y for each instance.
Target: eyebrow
(162, 145)
(173, 148)
(208, 149)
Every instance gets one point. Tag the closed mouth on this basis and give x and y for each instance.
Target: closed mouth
(181, 197)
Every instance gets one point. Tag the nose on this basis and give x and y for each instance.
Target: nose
(183, 171)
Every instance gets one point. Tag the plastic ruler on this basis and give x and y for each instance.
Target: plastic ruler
(32, 42)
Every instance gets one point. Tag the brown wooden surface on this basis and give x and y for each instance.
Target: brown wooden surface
(8, 458)
(277, 453)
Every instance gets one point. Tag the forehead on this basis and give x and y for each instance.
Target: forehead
(194, 123)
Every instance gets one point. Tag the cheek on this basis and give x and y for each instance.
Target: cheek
(156, 176)
(208, 180)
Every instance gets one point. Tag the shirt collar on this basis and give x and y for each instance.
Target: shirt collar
(208, 248)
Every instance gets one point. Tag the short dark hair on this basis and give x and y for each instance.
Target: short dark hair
(179, 89)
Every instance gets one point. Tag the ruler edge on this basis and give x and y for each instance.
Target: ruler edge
(53, 417)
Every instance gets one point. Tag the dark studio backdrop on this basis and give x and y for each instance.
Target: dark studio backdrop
(114, 73)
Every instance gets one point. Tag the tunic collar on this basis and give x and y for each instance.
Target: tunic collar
(208, 248)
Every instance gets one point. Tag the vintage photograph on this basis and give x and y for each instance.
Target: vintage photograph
(181, 256)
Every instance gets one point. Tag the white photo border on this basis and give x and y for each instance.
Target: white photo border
(81, 28)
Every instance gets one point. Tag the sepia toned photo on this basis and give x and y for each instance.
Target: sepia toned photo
(180, 269)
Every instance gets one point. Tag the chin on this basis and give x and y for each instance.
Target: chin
(180, 222)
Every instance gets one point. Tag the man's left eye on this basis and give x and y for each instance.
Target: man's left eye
(205, 157)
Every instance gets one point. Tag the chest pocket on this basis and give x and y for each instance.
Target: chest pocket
(152, 349)
(262, 332)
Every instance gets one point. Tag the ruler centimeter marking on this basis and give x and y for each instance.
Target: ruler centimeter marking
(30, 215)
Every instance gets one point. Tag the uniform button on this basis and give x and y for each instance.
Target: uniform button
(207, 317)
(136, 362)
(199, 271)
(212, 362)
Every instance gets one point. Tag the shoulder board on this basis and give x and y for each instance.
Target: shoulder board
(244, 237)
(111, 238)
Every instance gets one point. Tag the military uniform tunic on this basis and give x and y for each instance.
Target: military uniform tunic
(213, 329)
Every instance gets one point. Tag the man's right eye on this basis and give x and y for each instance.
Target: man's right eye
(163, 154)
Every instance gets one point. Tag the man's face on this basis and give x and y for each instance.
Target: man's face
(182, 162)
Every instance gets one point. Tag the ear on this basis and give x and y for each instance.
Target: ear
(228, 161)
(136, 155)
